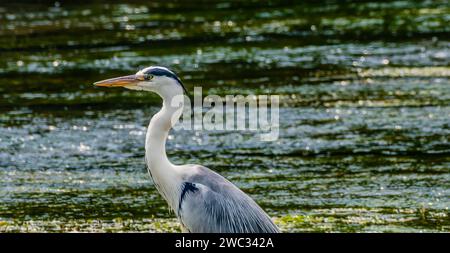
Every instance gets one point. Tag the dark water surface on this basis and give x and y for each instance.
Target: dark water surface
(364, 118)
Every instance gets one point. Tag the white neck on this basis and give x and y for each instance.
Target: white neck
(165, 175)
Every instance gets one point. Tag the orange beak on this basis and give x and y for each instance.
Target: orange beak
(118, 81)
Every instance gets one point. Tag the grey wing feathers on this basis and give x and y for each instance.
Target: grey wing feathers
(211, 204)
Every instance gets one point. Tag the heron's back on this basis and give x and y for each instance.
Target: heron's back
(209, 203)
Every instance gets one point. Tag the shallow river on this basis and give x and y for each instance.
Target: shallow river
(364, 113)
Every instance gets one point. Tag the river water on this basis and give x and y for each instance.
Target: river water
(364, 111)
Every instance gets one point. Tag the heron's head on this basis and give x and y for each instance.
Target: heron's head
(156, 79)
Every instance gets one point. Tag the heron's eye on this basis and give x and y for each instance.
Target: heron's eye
(148, 77)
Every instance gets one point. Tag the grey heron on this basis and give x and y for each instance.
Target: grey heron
(203, 200)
